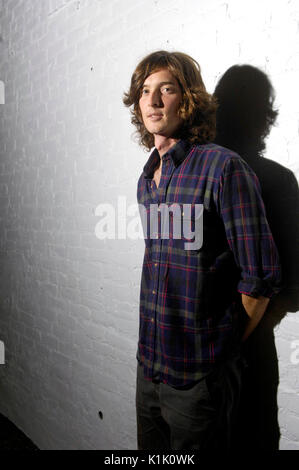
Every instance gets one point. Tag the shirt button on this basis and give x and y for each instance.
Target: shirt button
(152, 320)
(156, 265)
(154, 292)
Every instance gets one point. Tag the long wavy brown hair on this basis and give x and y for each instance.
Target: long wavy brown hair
(197, 109)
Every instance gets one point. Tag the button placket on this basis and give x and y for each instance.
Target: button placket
(158, 197)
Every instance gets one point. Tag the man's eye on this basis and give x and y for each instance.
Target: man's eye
(166, 89)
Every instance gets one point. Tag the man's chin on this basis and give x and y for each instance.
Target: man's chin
(156, 130)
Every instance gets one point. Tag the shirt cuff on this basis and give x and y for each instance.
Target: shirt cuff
(254, 287)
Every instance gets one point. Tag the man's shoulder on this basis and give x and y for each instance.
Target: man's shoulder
(212, 150)
(217, 156)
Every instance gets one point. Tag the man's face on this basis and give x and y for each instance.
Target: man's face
(160, 100)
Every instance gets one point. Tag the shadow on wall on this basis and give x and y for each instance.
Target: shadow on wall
(244, 119)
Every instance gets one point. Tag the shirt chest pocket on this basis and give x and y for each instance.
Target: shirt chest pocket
(192, 227)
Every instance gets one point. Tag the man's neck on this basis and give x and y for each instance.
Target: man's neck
(163, 144)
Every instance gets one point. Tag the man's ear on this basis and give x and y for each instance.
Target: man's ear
(184, 105)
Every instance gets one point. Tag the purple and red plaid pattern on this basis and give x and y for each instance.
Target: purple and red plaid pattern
(190, 300)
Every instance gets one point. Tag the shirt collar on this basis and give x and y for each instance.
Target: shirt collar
(178, 153)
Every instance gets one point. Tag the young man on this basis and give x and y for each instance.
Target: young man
(198, 304)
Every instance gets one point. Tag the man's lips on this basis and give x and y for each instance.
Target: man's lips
(155, 116)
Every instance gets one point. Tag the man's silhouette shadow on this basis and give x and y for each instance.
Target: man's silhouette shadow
(244, 119)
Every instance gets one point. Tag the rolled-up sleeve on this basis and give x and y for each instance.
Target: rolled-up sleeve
(247, 230)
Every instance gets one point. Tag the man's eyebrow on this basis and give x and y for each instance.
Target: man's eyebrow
(160, 84)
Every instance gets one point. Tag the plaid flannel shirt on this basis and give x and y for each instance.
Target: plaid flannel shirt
(190, 300)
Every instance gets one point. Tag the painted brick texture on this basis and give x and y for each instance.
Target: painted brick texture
(69, 301)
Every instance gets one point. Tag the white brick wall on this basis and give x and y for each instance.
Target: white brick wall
(68, 301)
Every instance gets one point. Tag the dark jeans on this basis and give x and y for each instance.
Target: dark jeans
(200, 417)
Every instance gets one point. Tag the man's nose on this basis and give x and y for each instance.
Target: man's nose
(155, 98)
